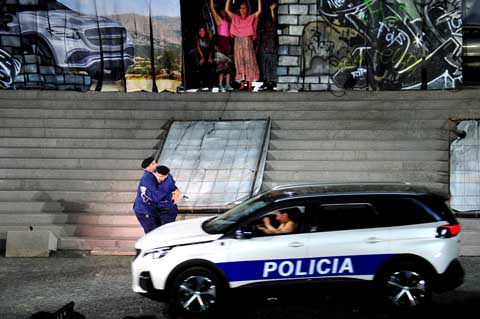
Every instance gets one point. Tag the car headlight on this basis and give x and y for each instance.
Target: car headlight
(157, 252)
(60, 31)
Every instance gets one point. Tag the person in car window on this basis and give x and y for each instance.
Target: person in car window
(287, 225)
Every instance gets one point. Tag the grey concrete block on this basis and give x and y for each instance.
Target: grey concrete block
(298, 9)
(293, 71)
(304, 19)
(295, 30)
(290, 40)
(288, 19)
(37, 243)
(311, 79)
(282, 70)
(282, 9)
(295, 50)
(287, 2)
(288, 61)
(283, 49)
(287, 79)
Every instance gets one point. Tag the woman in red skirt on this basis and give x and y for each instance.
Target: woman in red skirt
(244, 31)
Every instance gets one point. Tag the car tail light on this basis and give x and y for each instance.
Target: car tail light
(448, 231)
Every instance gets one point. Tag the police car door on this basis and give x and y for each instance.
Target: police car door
(263, 257)
(345, 238)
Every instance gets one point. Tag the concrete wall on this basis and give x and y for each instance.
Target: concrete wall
(69, 162)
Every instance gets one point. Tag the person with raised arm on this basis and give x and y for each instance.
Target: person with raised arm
(223, 62)
(244, 31)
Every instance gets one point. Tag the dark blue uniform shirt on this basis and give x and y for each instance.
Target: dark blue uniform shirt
(162, 194)
(143, 204)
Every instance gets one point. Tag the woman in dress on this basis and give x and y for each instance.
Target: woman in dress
(204, 55)
(223, 62)
(244, 31)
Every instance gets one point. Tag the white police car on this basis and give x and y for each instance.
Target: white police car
(401, 238)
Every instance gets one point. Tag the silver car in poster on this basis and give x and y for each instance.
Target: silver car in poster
(74, 41)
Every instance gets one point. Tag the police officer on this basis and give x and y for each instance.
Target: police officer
(144, 207)
(165, 195)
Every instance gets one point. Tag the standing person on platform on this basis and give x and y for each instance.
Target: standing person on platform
(144, 207)
(267, 47)
(164, 196)
(204, 56)
(224, 64)
(244, 31)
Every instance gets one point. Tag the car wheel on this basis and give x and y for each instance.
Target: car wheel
(196, 291)
(406, 287)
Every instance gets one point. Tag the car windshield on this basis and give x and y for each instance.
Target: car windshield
(222, 223)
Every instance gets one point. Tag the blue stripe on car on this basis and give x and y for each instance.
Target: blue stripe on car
(303, 267)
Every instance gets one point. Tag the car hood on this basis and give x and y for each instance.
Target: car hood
(177, 233)
(67, 18)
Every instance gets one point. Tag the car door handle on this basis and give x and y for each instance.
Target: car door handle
(295, 244)
(373, 240)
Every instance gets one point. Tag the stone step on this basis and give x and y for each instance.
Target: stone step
(72, 163)
(470, 243)
(352, 100)
(71, 174)
(364, 155)
(49, 218)
(333, 166)
(355, 176)
(69, 196)
(73, 153)
(71, 185)
(439, 187)
(111, 231)
(82, 124)
(98, 243)
(275, 114)
(352, 145)
(103, 143)
(470, 224)
(360, 124)
(81, 133)
(58, 230)
(65, 206)
(69, 230)
(36, 219)
(358, 135)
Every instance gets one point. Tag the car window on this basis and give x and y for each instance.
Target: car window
(342, 216)
(225, 221)
(398, 211)
(295, 215)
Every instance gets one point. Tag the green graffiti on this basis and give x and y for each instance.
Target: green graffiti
(402, 8)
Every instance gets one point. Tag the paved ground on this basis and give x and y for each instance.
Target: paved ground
(100, 288)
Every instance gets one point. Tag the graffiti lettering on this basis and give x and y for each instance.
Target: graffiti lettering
(405, 36)
(360, 73)
(336, 3)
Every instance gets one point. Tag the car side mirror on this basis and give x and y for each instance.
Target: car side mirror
(243, 233)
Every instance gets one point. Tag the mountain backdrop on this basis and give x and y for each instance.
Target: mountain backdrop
(167, 31)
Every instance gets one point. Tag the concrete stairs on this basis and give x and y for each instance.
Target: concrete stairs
(69, 162)
(72, 167)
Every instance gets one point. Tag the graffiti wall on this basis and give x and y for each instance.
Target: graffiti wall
(102, 45)
(374, 44)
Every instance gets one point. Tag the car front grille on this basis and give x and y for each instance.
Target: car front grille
(110, 36)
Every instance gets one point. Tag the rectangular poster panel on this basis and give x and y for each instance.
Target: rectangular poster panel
(102, 45)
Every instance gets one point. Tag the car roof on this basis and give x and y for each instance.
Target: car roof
(323, 189)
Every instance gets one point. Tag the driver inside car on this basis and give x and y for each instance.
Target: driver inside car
(286, 218)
